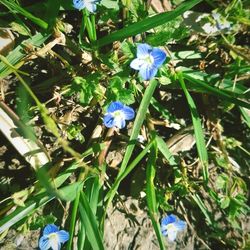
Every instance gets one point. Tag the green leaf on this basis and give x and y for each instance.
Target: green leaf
(146, 24)
(73, 217)
(90, 223)
(22, 212)
(151, 196)
(162, 146)
(117, 91)
(246, 116)
(215, 91)
(141, 113)
(110, 195)
(15, 8)
(224, 202)
(18, 53)
(199, 136)
(202, 206)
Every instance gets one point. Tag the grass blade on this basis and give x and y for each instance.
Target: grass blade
(215, 91)
(18, 53)
(15, 8)
(202, 207)
(90, 223)
(151, 196)
(22, 212)
(146, 24)
(199, 136)
(73, 221)
(162, 146)
(141, 113)
(246, 116)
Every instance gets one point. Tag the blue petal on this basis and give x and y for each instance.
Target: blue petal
(44, 243)
(180, 225)
(172, 233)
(159, 57)
(168, 219)
(147, 72)
(108, 120)
(137, 63)
(128, 112)
(79, 4)
(114, 106)
(63, 236)
(51, 228)
(119, 122)
(143, 50)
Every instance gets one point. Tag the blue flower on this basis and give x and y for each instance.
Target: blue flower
(52, 238)
(90, 5)
(221, 22)
(117, 114)
(148, 60)
(171, 225)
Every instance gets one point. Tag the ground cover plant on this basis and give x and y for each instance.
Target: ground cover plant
(124, 124)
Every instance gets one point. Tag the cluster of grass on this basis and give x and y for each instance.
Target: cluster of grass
(65, 69)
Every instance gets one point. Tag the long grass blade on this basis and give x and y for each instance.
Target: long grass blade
(199, 136)
(73, 217)
(141, 113)
(15, 8)
(90, 223)
(151, 196)
(215, 91)
(146, 24)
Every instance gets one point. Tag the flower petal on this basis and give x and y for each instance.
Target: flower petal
(172, 233)
(128, 112)
(108, 120)
(180, 225)
(147, 72)
(90, 5)
(168, 219)
(114, 106)
(136, 63)
(44, 243)
(143, 50)
(119, 122)
(50, 228)
(159, 56)
(63, 236)
(55, 243)
(79, 4)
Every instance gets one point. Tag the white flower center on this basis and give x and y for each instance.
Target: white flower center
(171, 227)
(117, 113)
(53, 239)
(148, 59)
